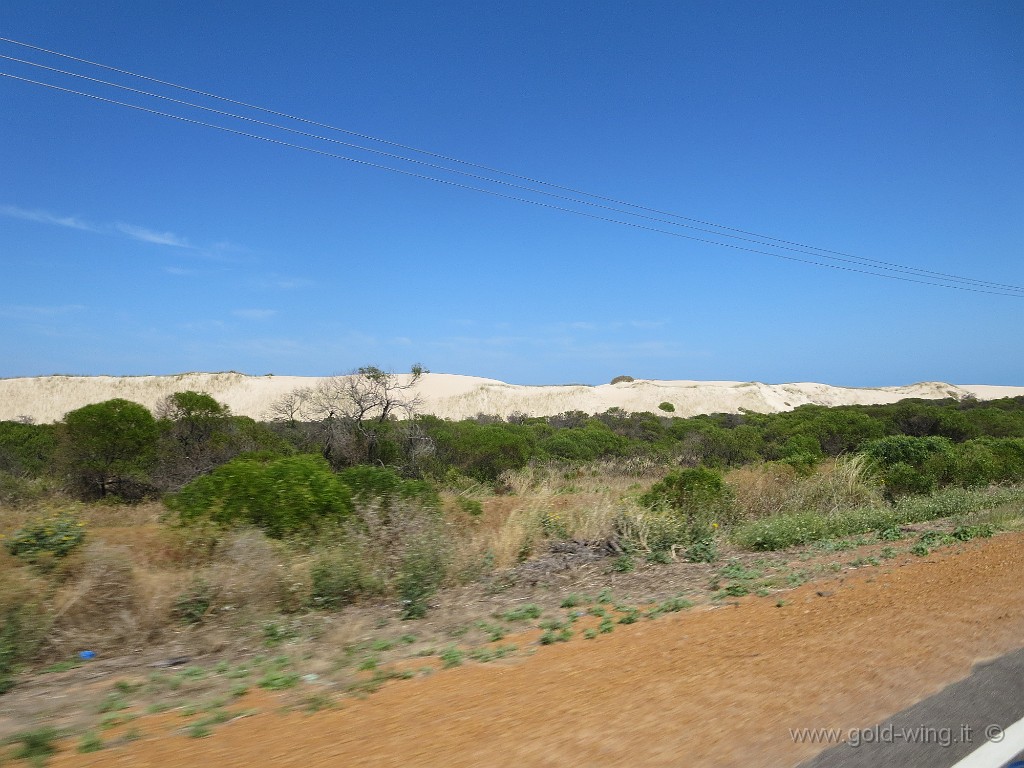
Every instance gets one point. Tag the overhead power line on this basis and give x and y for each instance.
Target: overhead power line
(767, 242)
(932, 278)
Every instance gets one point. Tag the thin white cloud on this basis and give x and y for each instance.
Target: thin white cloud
(254, 314)
(44, 217)
(135, 232)
(151, 236)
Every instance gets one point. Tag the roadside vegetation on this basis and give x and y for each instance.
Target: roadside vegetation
(125, 529)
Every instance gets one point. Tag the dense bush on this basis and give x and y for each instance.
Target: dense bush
(281, 495)
(480, 451)
(23, 624)
(592, 441)
(919, 465)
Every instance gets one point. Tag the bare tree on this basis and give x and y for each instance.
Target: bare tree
(291, 407)
(349, 413)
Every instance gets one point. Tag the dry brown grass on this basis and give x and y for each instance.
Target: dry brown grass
(763, 490)
(542, 503)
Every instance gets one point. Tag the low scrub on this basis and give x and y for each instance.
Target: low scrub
(790, 530)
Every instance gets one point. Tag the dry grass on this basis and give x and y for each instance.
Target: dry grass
(543, 503)
(765, 490)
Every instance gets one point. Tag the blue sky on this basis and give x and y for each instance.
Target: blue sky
(136, 244)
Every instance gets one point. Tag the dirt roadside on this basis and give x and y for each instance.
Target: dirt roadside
(711, 687)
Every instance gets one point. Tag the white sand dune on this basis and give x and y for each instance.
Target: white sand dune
(47, 398)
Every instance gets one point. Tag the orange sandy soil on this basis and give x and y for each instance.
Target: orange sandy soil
(710, 687)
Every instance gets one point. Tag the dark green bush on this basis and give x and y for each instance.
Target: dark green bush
(421, 572)
(109, 448)
(23, 625)
(591, 441)
(480, 451)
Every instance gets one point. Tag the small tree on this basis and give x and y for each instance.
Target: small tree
(196, 435)
(109, 448)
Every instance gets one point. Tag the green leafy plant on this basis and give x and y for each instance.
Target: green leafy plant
(703, 550)
(523, 613)
(54, 536)
(451, 657)
(278, 680)
(623, 564)
(90, 742)
(36, 745)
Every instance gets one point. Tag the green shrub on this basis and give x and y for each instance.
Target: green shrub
(17, 489)
(667, 407)
(901, 479)
(421, 572)
(54, 536)
(27, 450)
(480, 451)
(703, 551)
(622, 379)
(904, 449)
(385, 486)
(282, 496)
(591, 441)
(471, 507)
(699, 496)
(973, 464)
(35, 745)
(23, 624)
(523, 613)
